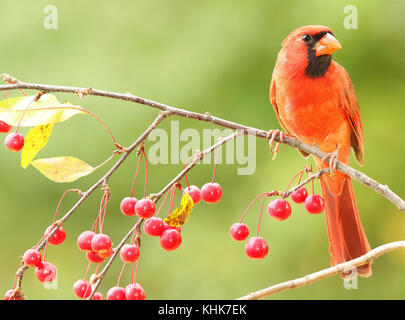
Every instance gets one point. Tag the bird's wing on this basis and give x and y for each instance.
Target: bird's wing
(273, 99)
(348, 102)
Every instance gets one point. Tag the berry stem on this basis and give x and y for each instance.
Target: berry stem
(185, 163)
(87, 271)
(163, 202)
(291, 181)
(172, 197)
(215, 165)
(37, 96)
(133, 237)
(146, 172)
(251, 204)
(260, 217)
(97, 268)
(121, 273)
(104, 214)
(94, 227)
(134, 274)
(302, 173)
(61, 199)
(136, 175)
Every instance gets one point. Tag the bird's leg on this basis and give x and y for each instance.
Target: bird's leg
(272, 134)
(332, 156)
(349, 274)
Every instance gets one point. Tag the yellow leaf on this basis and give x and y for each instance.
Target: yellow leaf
(47, 109)
(35, 140)
(179, 216)
(63, 169)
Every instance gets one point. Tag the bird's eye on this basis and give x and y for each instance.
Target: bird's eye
(306, 37)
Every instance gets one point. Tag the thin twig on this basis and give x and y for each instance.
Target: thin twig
(322, 274)
(309, 179)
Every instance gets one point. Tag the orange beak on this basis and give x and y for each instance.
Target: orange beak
(327, 45)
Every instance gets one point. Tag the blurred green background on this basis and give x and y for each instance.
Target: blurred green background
(214, 56)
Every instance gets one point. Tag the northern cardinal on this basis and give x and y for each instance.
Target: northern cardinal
(314, 100)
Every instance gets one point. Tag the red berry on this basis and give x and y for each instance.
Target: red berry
(256, 248)
(101, 243)
(170, 239)
(129, 253)
(4, 127)
(14, 142)
(98, 296)
(116, 293)
(194, 192)
(134, 291)
(84, 240)
(94, 257)
(128, 206)
(239, 231)
(145, 208)
(18, 296)
(58, 237)
(82, 289)
(314, 203)
(279, 209)
(32, 258)
(106, 254)
(211, 192)
(299, 195)
(45, 272)
(154, 226)
(169, 227)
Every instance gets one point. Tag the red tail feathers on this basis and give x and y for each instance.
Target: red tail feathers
(347, 238)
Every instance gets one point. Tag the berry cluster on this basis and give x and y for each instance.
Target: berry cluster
(170, 236)
(279, 209)
(133, 291)
(96, 246)
(144, 208)
(44, 271)
(255, 247)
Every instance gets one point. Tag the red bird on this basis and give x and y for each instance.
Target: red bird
(314, 100)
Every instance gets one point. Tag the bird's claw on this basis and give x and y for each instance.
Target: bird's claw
(272, 134)
(332, 156)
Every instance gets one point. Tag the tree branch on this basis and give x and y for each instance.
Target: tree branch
(316, 276)
(383, 190)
